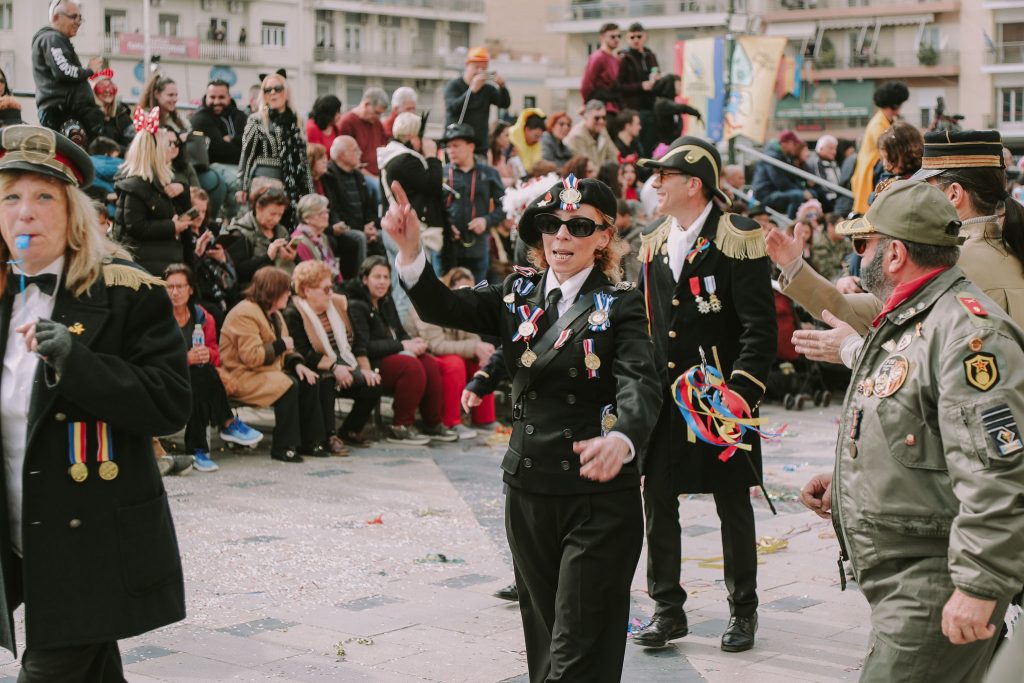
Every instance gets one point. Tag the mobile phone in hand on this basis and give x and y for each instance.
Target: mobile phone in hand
(192, 213)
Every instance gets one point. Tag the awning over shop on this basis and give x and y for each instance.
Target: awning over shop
(845, 99)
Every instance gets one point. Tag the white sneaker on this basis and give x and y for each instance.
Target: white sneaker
(464, 432)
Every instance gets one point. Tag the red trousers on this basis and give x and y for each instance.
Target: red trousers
(455, 371)
(413, 381)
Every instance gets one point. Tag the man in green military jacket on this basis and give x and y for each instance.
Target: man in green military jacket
(927, 495)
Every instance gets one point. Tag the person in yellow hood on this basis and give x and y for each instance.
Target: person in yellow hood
(525, 136)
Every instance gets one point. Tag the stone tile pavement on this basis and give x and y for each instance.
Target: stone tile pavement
(380, 567)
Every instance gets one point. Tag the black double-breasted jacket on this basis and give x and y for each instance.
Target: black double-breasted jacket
(556, 401)
(741, 338)
(100, 557)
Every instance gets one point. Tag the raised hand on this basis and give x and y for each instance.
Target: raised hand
(402, 225)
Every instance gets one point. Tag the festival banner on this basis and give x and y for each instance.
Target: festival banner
(701, 64)
(755, 68)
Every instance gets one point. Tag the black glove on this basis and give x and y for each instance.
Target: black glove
(54, 343)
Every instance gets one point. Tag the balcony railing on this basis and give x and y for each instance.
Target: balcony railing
(906, 58)
(469, 6)
(174, 48)
(632, 9)
(781, 5)
(403, 60)
(1006, 53)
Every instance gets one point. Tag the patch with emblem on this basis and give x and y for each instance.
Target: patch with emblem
(624, 286)
(904, 342)
(973, 306)
(1002, 427)
(982, 371)
(891, 375)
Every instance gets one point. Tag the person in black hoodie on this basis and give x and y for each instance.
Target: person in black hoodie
(62, 83)
(146, 219)
(638, 72)
(220, 120)
(667, 123)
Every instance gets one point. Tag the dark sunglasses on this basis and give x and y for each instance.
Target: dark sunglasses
(273, 88)
(636, 36)
(578, 226)
(860, 244)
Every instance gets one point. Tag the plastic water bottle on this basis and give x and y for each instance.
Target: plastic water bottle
(198, 338)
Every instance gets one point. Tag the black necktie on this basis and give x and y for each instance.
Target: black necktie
(551, 310)
(47, 282)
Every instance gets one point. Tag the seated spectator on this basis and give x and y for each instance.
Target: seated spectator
(500, 154)
(213, 272)
(210, 407)
(580, 166)
(590, 138)
(264, 370)
(106, 159)
(317, 155)
(220, 120)
(829, 250)
(353, 217)
(668, 121)
(525, 137)
(773, 186)
(310, 242)
(407, 371)
(733, 176)
(117, 116)
(103, 216)
(823, 164)
(263, 240)
(182, 172)
(552, 143)
(627, 137)
(318, 320)
(459, 355)
(324, 123)
(10, 108)
(402, 100)
(363, 124)
(145, 219)
(629, 182)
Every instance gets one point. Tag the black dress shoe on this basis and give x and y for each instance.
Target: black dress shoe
(287, 456)
(739, 636)
(317, 451)
(661, 629)
(510, 593)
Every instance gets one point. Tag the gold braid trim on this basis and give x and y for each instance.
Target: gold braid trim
(117, 275)
(651, 243)
(739, 244)
(963, 161)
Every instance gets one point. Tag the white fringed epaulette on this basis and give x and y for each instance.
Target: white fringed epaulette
(652, 240)
(740, 238)
(133, 277)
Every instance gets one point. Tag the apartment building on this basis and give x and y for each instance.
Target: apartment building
(1000, 68)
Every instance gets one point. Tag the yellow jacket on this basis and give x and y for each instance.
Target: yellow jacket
(867, 157)
(528, 154)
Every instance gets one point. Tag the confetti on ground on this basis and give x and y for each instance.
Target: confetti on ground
(339, 650)
(634, 626)
(439, 558)
(429, 512)
(379, 519)
(769, 544)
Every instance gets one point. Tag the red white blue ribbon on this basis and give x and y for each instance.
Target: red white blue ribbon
(569, 183)
(528, 315)
(588, 349)
(700, 246)
(563, 338)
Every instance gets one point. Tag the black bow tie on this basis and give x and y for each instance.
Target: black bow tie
(47, 282)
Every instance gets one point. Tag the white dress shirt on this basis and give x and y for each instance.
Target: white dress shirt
(410, 275)
(680, 241)
(16, 386)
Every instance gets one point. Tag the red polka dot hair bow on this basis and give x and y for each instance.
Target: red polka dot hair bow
(146, 122)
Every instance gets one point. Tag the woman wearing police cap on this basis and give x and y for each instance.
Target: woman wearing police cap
(92, 369)
(585, 398)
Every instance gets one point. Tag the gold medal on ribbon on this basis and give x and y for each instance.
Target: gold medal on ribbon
(528, 358)
(592, 361)
(108, 470)
(76, 452)
(79, 472)
(105, 452)
(608, 422)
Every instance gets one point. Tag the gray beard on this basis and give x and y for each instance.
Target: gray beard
(873, 279)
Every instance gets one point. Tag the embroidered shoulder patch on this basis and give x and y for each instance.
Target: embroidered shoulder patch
(973, 306)
(1002, 428)
(624, 286)
(982, 371)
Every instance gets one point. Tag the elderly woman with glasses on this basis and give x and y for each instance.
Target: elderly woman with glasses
(585, 397)
(311, 242)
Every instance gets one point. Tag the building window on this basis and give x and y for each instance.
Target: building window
(389, 21)
(353, 38)
(115, 21)
(324, 28)
(273, 34)
(1012, 105)
(168, 25)
(458, 35)
(6, 16)
(206, 5)
(529, 101)
(354, 87)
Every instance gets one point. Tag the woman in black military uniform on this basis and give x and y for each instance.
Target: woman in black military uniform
(586, 396)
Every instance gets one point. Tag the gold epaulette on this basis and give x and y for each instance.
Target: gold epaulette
(652, 241)
(121, 275)
(740, 238)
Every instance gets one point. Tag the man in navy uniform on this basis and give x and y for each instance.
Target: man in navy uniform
(708, 288)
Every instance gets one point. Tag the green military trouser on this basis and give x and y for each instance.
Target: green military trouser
(907, 645)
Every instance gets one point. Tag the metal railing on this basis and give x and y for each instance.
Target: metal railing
(470, 6)
(1006, 53)
(901, 58)
(205, 50)
(406, 60)
(631, 9)
(793, 170)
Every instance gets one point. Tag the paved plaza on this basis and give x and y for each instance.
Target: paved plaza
(380, 567)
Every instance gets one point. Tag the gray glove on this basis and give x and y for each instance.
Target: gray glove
(54, 342)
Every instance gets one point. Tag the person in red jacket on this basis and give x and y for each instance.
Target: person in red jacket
(601, 77)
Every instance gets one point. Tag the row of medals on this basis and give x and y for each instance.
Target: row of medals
(527, 329)
(79, 472)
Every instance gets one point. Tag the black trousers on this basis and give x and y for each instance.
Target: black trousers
(99, 663)
(365, 398)
(210, 406)
(664, 544)
(298, 418)
(574, 559)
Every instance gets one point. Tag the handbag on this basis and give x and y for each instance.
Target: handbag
(197, 151)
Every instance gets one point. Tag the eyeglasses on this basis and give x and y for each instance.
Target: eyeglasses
(615, 36)
(663, 173)
(175, 287)
(72, 17)
(860, 244)
(578, 226)
(272, 89)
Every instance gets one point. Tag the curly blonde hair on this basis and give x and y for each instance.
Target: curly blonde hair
(607, 260)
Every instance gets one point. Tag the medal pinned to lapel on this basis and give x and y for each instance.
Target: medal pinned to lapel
(711, 286)
(76, 452)
(528, 318)
(699, 247)
(703, 306)
(600, 319)
(608, 419)
(522, 287)
(891, 375)
(105, 453)
(590, 359)
(570, 196)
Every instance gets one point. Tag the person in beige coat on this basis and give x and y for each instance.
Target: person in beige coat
(459, 355)
(590, 136)
(992, 254)
(258, 354)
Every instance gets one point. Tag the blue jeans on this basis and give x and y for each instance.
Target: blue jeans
(786, 201)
